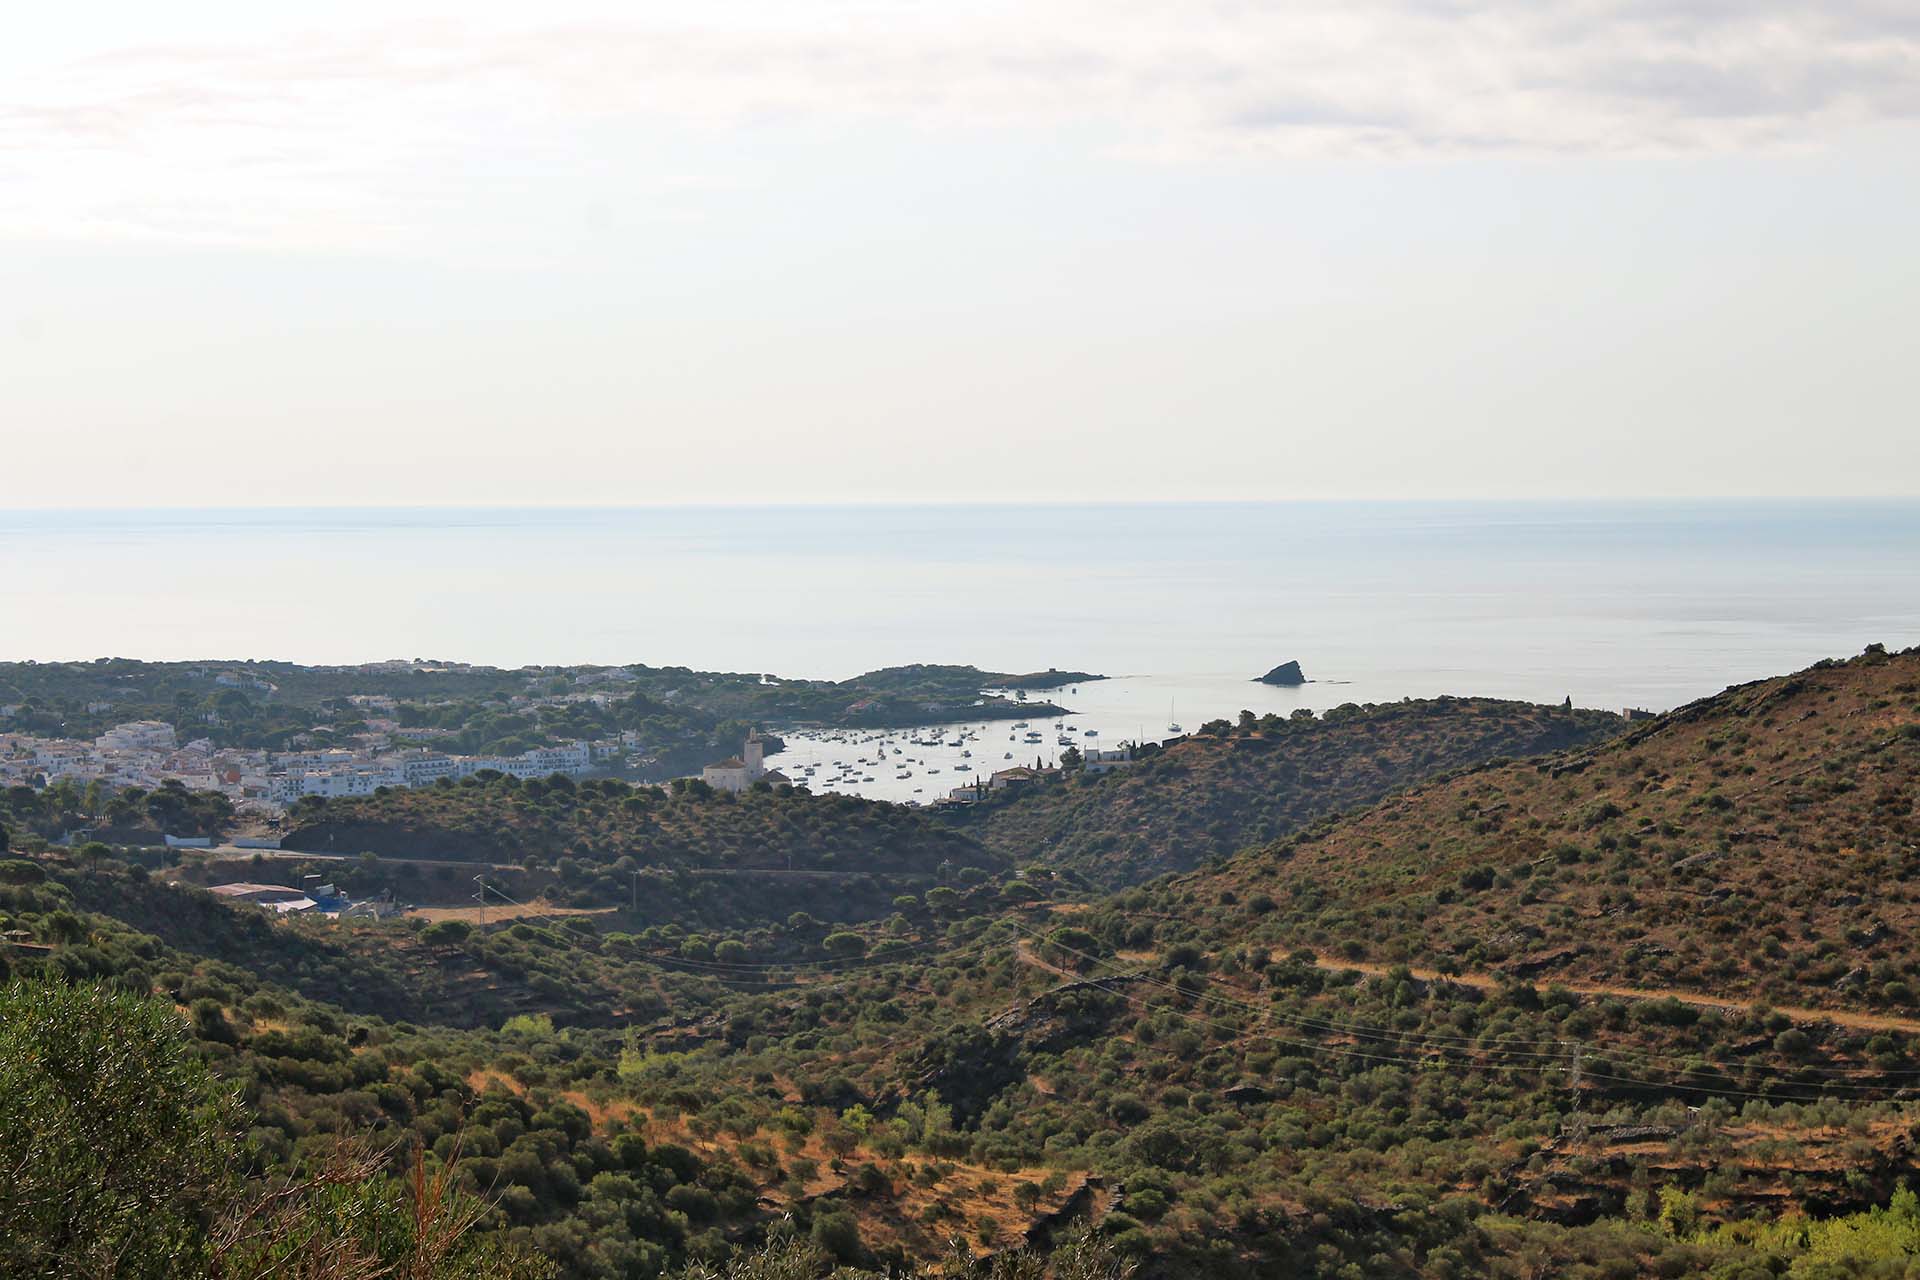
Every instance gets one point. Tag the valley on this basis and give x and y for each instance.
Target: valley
(1427, 989)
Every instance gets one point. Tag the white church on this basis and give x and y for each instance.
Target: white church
(737, 773)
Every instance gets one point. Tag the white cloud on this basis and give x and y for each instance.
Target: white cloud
(357, 136)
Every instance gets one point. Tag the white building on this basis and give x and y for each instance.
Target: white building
(575, 757)
(361, 779)
(424, 768)
(137, 735)
(737, 773)
(1097, 761)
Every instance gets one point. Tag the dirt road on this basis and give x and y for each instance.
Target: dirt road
(1799, 1013)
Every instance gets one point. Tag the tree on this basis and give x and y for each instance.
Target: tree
(452, 932)
(121, 1155)
(113, 1135)
(1074, 947)
(93, 853)
(837, 1232)
(848, 945)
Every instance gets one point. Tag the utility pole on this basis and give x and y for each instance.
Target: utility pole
(481, 897)
(1576, 1125)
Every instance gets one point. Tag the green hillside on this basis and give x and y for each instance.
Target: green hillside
(764, 853)
(1639, 1008)
(1213, 794)
(1761, 843)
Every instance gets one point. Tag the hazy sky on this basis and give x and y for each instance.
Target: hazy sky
(719, 251)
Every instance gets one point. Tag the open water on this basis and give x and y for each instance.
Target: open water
(1617, 604)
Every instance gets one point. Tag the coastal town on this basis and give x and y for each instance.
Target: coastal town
(149, 754)
(267, 736)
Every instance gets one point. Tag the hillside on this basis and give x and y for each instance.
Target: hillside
(698, 854)
(1205, 796)
(128, 816)
(1411, 1041)
(1761, 843)
(1243, 1060)
(561, 1177)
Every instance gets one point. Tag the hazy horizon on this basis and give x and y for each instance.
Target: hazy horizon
(882, 504)
(1639, 602)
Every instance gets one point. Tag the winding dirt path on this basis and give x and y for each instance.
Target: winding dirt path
(1490, 982)
(1799, 1013)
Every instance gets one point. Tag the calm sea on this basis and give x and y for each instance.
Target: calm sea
(1643, 604)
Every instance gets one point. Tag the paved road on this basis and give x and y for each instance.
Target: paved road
(226, 851)
(234, 851)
